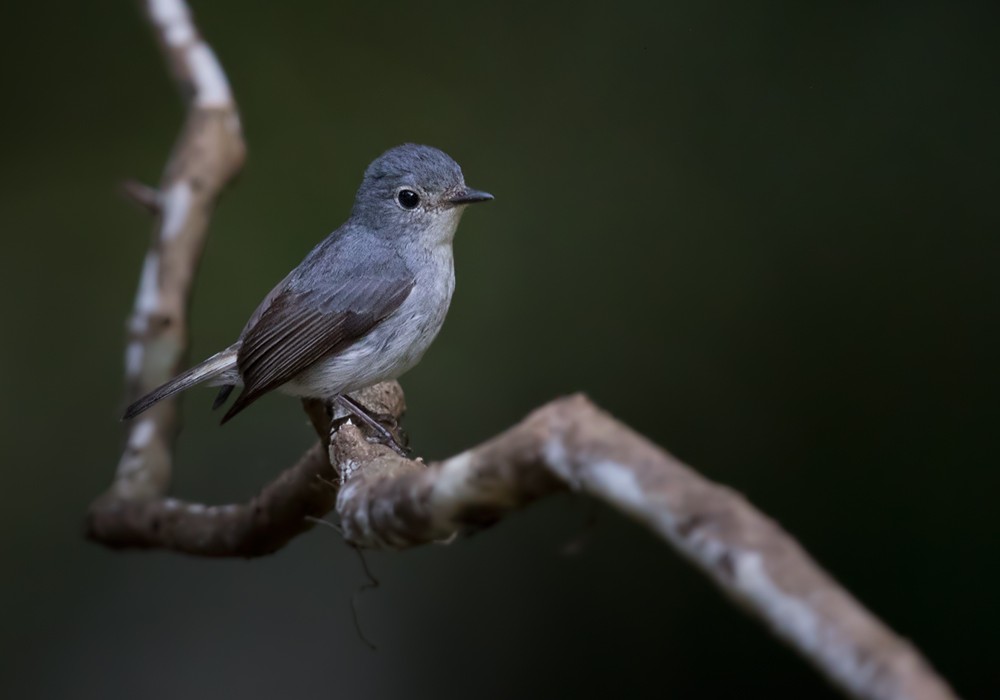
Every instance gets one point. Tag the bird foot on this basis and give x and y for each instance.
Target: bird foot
(384, 426)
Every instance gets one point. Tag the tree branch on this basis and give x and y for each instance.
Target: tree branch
(283, 509)
(385, 501)
(208, 153)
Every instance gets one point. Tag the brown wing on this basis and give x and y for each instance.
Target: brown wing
(298, 328)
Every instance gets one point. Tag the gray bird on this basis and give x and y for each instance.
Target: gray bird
(364, 304)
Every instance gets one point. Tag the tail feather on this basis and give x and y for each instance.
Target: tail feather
(214, 366)
(223, 396)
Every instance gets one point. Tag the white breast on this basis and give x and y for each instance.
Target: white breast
(396, 344)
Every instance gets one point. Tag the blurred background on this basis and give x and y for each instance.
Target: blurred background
(763, 234)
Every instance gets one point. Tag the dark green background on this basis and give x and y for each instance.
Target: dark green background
(764, 234)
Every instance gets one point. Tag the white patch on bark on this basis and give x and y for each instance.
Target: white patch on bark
(347, 492)
(149, 292)
(451, 487)
(133, 358)
(620, 483)
(176, 203)
(790, 616)
(560, 463)
(795, 620)
(346, 469)
(361, 520)
(174, 21)
(142, 433)
(452, 483)
(208, 77)
(174, 18)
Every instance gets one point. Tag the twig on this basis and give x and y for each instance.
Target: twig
(148, 198)
(369, 585)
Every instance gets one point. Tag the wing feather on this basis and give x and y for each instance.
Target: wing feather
(299, 328)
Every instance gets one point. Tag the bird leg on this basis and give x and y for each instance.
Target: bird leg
(362, 414)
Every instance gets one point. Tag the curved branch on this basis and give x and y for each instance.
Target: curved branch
(261, 526)
(208, 153)
(386, 501)
(283, 509)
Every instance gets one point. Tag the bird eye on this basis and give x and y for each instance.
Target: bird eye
(408, 199)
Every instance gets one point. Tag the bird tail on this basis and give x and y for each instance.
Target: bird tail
(211, 368)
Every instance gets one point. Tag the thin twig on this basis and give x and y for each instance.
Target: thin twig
(369, 585)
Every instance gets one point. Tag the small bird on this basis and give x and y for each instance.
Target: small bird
(363, 306)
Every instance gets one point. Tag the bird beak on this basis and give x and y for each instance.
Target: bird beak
(469, 196)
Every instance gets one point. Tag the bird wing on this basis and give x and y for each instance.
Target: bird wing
(297, 326)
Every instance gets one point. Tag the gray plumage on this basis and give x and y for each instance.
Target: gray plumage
(364, 304)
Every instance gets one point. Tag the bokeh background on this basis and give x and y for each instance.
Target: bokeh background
(763, 234)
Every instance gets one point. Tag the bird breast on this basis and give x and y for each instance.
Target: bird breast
(393, 346)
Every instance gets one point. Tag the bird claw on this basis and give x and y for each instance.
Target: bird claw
(384, 427)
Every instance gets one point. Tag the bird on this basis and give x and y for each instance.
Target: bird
(363, 306)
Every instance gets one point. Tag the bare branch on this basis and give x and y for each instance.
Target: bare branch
(283, 509)
(264, 525)
(208, 153)
(135, 512)
(390, 502)
(386, 501)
